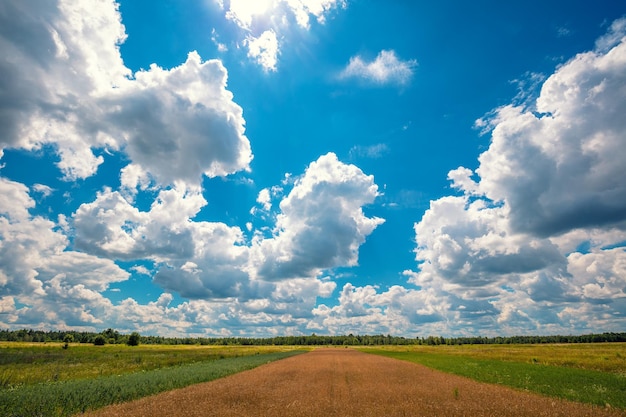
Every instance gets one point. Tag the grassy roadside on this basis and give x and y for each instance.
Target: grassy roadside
(574, 382)
(32, 363)
(76, 396)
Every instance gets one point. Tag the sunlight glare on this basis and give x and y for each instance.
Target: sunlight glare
(243, 10)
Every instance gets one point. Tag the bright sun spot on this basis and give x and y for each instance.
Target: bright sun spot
(243, 10)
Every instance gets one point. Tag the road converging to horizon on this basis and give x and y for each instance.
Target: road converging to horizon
(346, 382)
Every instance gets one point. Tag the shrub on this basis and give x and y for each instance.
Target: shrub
(67, 340)
(99, 340)
(133, 339)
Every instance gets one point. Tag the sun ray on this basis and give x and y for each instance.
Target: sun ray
(244, 10)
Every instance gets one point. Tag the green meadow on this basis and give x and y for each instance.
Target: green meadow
(589, 373)
(46, 380)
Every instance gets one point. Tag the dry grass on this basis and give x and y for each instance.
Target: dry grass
(605, 357)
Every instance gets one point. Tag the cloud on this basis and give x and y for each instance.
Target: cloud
(68, 91)
(16, 201)
(180, 124)
(111, 227)
(65, 84)
(469, 245)
(374, 151)
(264, 49)
(385, 69)
(52, 283)
(507, 250)
(51, 71)
(367, 310)
(265, 199)
(320, 226)
(261, 21)
(321, 223)
(559, 168)
(303, 9)
(42, 189)
(245, 12)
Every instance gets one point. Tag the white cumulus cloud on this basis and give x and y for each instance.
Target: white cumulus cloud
(64, 83)
(385, 69)
(321, 223)
(549, 184)
(264, 49)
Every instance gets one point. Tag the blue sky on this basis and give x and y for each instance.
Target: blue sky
(258, 168)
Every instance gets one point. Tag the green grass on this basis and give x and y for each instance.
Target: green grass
(79, 395)
(574, 381)
(607, 357)
(33, 363)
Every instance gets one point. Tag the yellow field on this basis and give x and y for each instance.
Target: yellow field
(607, 357)
(30, 363)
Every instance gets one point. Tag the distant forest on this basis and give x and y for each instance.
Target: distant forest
(111, 336)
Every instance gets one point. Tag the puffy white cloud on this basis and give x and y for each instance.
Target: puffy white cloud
(196, 259)
(58, 56)
(181, 123)
(16, 201)
(110, 226)
(539, 230)
(264, 49)
(470, 245)
(385, 69)
(64, 83)
(398, 310)
(57, 286)
(320, 226)
(600, 276)
(321, 223)
(244, 12)
(560, 168)
(264, 199)
(216, 269)
(303, 9)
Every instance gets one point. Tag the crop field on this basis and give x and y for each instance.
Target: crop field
(46, 380)
(607, 357)
(590, 373)
(31, 363)
(346, 382)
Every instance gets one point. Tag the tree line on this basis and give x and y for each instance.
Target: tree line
(111, 336)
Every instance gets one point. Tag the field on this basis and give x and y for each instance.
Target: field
(346, 382)
(46, 380)
(31, 363)
(606, 357)
(591, 373)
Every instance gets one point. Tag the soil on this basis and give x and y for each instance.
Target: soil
(345, 382)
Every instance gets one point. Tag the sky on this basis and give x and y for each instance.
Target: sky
(286, 167)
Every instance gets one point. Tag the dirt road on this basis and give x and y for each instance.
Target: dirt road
(344, 382)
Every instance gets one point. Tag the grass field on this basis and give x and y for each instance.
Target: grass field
(32, 363)
(45, 380)
(90, 381)
(591, 373)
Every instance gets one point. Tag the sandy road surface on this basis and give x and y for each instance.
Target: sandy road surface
(344, 382)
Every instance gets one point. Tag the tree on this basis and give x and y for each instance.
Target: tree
(133, 339)
(67, 339)
(99, 340)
